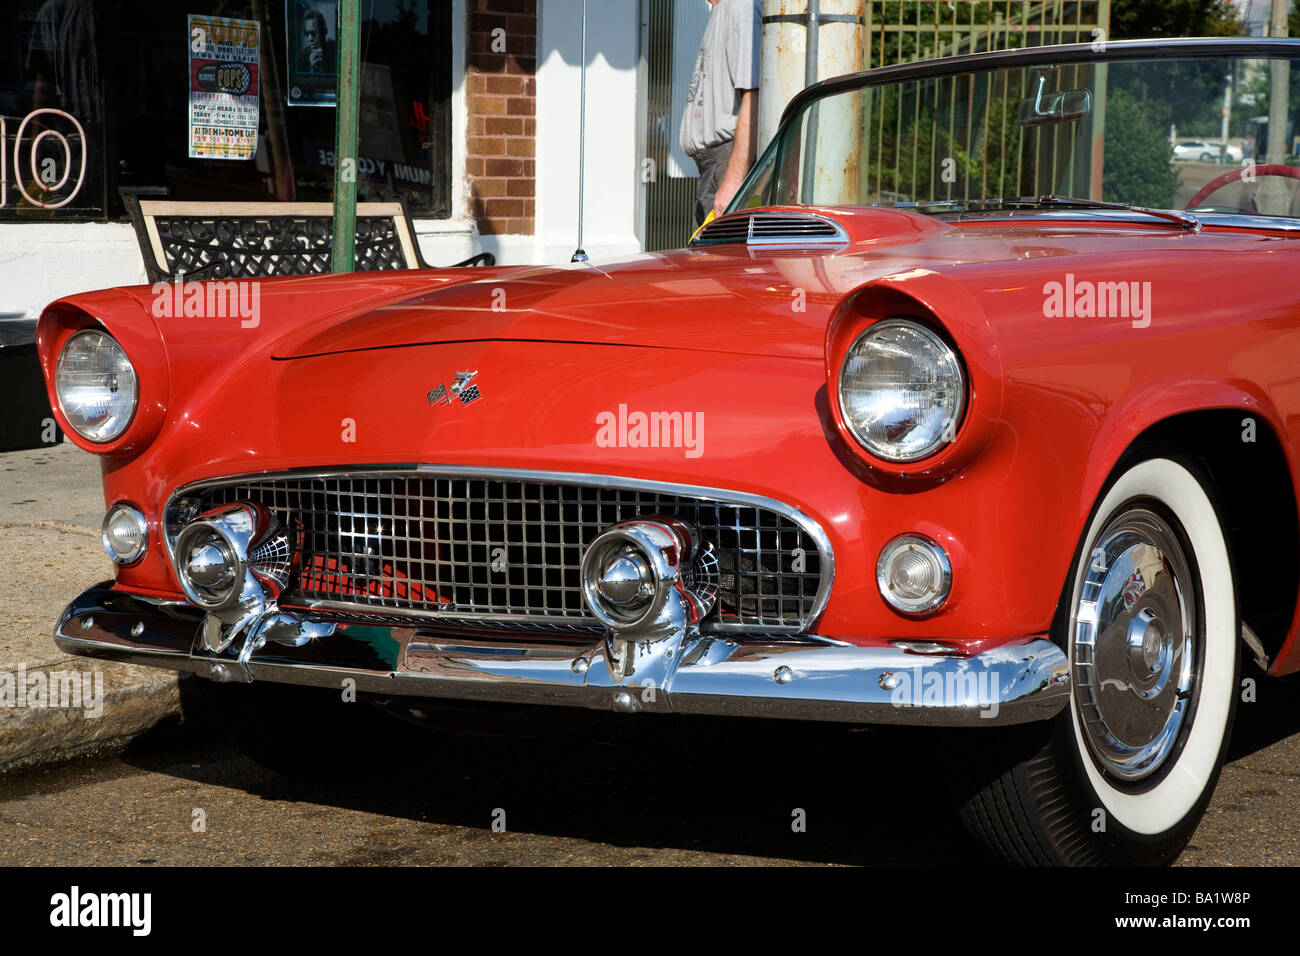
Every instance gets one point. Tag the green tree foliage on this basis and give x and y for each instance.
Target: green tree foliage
(891, 45)
(927, 131)
(1138, 157)
(1129, 19)
(990, 154)
(1186, 95)
(1136, 19)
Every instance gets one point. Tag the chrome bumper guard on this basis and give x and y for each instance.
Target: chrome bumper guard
(812, 679)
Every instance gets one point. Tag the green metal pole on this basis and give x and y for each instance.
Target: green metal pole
(343, 249)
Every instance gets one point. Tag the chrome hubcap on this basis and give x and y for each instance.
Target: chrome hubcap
(1135, 643)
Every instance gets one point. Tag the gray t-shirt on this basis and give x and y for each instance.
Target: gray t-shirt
(726, 66)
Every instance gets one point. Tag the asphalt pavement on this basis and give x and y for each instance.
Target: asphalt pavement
(640, 791)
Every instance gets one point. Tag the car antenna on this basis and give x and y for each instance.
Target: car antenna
(580, 255)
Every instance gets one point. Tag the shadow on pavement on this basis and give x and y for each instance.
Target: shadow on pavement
(1274, 715)
(870, 796)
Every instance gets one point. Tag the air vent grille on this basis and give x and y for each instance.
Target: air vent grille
(772, 229)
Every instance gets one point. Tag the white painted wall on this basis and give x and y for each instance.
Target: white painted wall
(612, 164)
(444, 242)
(41, 262)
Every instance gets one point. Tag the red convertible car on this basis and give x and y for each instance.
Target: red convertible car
(972, 411)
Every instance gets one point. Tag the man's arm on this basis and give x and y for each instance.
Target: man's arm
(743, 147)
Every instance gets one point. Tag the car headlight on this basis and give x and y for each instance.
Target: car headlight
(902, 390)
(96, 386)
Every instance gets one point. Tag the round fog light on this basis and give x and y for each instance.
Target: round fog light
(125, 533)
(630, 571)
(208, 567)
(625, 580)
(913, 574)
(619, 581)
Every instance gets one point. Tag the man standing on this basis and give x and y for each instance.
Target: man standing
(721, 119)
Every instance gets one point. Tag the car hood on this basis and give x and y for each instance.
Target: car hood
(725, 298)
(720, 301)
(733, 298)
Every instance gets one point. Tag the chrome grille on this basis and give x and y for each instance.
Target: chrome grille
(509, 549)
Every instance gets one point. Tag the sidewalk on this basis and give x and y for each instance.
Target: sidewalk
(51, 504)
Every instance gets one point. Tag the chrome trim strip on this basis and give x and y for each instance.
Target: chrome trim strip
(1231, 220)
(831, 682)
(807, 524)
(1208, 220)
(417, 617)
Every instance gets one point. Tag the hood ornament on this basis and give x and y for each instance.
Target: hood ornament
(460, 388)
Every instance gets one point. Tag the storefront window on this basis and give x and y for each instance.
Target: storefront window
(126, 82)
(51, 111)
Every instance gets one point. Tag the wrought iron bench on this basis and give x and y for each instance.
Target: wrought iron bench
(214, 240)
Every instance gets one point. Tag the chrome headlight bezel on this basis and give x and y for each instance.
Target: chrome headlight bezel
(116, 423)
(946, 355)
(933, 555)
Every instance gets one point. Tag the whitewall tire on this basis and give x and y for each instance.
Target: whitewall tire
(1150, 620)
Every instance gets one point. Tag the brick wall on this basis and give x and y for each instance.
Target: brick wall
(501, 90)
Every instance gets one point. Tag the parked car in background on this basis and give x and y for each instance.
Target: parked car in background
(1207, 152)
(999, 455)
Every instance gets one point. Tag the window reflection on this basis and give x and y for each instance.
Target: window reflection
(117, 73)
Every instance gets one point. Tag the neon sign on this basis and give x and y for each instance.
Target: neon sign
(47, 174)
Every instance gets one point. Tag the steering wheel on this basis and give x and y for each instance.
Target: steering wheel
(1232, 175)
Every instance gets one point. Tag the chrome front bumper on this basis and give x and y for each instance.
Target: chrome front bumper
(812, 679)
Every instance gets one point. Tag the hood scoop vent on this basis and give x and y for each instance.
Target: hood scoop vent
(788, 229)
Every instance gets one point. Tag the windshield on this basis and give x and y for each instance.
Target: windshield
(1210, 134)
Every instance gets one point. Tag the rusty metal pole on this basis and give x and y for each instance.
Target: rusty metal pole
(343, 247)
(1279, 95)
(805, 41)
(1272, 197)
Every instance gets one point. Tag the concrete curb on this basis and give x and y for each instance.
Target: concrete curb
(51, 503)
(35, 730)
